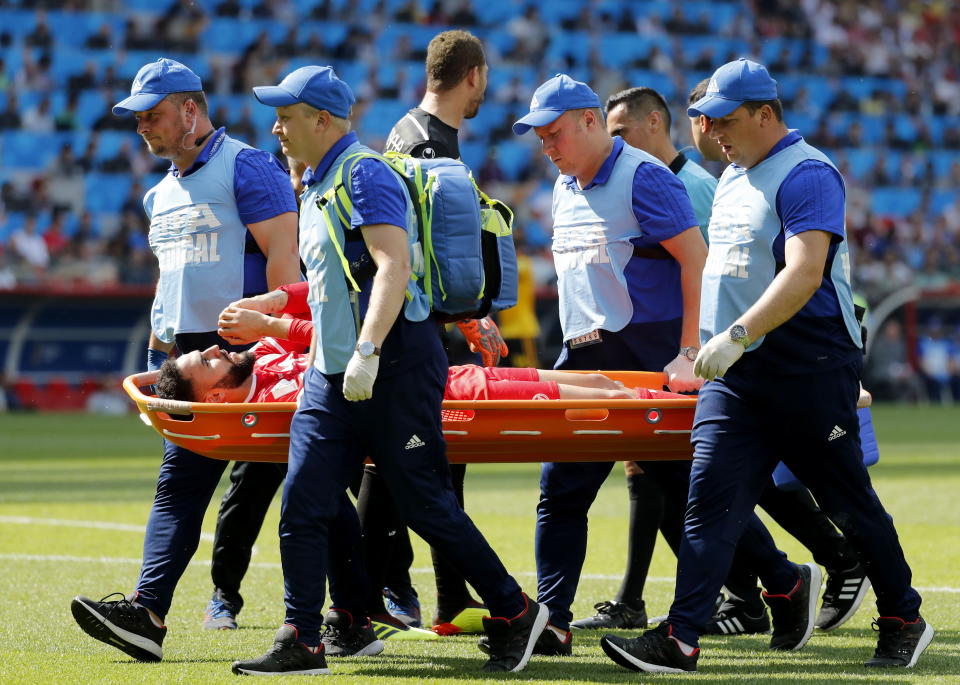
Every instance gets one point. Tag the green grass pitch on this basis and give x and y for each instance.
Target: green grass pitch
(75, 492)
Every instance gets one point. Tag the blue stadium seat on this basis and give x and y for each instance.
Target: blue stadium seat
(68, 29)
(620, 49)
(110, 141)
(941, 199)
(28, 151)
(381, 116)
(106, 192)
(330, 33)
(943, 161)
(890, 201)
(18, 22)
(860, 161)
(473, 153)
(513, 158)
(662, 83)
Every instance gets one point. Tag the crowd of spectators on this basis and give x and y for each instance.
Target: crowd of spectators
(876, 83)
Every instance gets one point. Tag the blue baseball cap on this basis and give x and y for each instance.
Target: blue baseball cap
(733, 84)
(156, 81)
(556, 96)
(317, 86)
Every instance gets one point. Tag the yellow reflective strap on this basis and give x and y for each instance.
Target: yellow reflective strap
(336, 245)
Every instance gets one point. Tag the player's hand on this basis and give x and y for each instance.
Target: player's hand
(240, 326)
(680, 375)
(718, 355)
(483, 336)
(865, 399)
(267, 303)
(359, 377)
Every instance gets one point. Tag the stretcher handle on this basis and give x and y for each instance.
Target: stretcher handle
(132, 385)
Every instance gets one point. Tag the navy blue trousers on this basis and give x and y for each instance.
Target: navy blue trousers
(185, 486)
(744, 424)
(567, 489)
(399, 428)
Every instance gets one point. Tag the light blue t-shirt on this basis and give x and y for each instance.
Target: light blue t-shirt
(701, 186)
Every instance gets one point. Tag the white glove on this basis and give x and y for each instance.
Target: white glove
(680, 375)
(718, 355)
(359, 377)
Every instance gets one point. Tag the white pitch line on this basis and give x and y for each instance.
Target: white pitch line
(418, 571)
(73, 523)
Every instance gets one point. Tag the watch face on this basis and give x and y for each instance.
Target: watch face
(366, 348)
(738, 334)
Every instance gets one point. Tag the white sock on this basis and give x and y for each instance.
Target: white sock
(562, 634)
(684, 647)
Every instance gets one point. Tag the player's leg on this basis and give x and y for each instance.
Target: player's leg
(242, 510)
(824, 452)
(184, 487)
(410, 453)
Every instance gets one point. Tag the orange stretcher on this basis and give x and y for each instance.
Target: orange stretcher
(476, 431)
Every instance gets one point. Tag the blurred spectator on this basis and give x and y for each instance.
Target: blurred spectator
(54, 237)
(8, 277)
(102, 39)
(889, 376)
(29, 246)
(529, 33)
(10, 117)
(936, 352)
(41, 36)
(12, 199)
(84, 81)
(66, 119)
(120, 162)
(39, 119)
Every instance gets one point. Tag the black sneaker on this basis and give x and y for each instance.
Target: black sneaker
(793, 613)
(511, 640)
(343, 637)
(737, 618)
(613, 616)
(900, 644)
(287, 657)
(842, 597)
(656, 651)
(120, 624)
(548, 644)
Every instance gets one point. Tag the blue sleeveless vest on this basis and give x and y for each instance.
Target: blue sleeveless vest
(333, 318)
(198, 238)
(741, 263)
(592, 232)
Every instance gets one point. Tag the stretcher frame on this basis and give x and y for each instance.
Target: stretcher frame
(480, 431)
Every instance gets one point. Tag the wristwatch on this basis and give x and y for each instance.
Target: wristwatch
(690, 353)
(367, 349)
(738, 334)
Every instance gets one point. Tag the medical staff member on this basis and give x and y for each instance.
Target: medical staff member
(641, 117)
(374, 387)
(783, 358)
(629, 256)
(221, 203)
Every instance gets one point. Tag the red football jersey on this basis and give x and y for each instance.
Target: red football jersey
(277, 372)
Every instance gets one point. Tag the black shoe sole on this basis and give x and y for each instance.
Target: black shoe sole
(94, 626)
